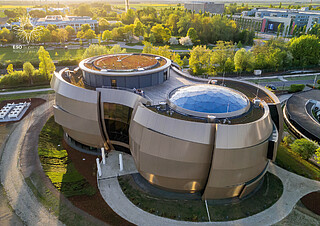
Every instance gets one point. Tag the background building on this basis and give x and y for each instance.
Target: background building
(209, 7)
(184, 135)
(62, 22)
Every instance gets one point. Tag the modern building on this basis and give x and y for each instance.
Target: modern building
(184, 134)
(62, 22)
(301, 114)
(209, 7)
(288, 17)
(51, 9)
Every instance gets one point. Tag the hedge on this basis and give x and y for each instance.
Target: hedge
(296, 88)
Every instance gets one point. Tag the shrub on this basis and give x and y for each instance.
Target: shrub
(318, 81)
(304, 147)
(318, 155)
(296, 88)
(288, 140)
(173, 41)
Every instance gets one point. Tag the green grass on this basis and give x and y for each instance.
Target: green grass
(56, 164)
(25, 88)
(263, 80)
(309, 77)
(9, 54)
(194, 210)
(270, 191)
(129, 50)
(23, 95)
(51, 202)
(292, 162)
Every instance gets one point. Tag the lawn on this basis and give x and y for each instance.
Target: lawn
(194, 210)
(292, 162)
(10, 54)
(263, 80)
(156, 6)
(56, 164)
(23, 95)
(26, 88)
(296, 78)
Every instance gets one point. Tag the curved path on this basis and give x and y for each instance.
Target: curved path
(294, 188)
(20, 196)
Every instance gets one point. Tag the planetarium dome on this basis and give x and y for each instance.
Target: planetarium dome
(204, 100)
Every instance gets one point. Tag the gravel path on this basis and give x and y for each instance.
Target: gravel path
(20, 196)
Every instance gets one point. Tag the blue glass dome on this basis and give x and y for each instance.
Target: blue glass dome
(211, 99)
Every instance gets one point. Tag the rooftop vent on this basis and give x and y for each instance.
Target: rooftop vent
(256, 102)
(211, 118)
(163, 105)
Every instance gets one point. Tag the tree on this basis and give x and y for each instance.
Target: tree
(10, 69)
(28, 69)
(243, 60)
(80, 34)
(177, 59)
(96, 50)
(52, 27)
(103, 24)
(89, 34)
(106, 35)
(304, 147)
(62, 34)
(186, 41)
(318, 155)
(192, 33)
(160, 33)
(279, 30)
(305, 50)
(85, 27)
(128, 17)
(173, 41)
(139, 28)
(172, 22)
(46, 65)
(152, 39)
(222, 55)
(71, 31)
(200, 60)
(83, 10)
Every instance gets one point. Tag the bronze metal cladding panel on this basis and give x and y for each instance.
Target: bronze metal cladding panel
(222, 193)
(185, 130)
(76, 107)
(167, 183)
(235, 167)
(60, 86)
(84, 138)
(175, 163)
(123, 97)
(244, 135)
(79, 126)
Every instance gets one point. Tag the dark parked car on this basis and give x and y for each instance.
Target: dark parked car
(270, 86)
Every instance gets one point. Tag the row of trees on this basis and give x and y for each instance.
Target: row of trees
(274, 54)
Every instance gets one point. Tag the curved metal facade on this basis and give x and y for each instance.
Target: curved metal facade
(220, 160)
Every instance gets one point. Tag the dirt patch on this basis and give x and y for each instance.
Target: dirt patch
(312, 202)
(35, 102)
(94, 205)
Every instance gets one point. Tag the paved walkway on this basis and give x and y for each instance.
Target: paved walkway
(26, 91)
(295, 187)
(20, 196)
(112, 166)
